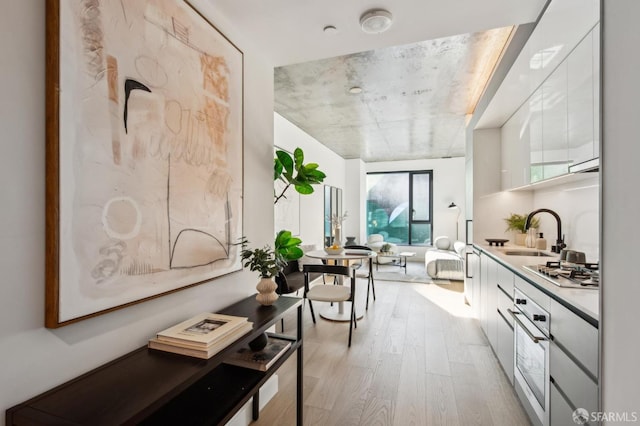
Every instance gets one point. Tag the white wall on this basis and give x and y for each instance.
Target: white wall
(34, 358)
(356, 202)
(620, 152)
(577, 205)
(289, 137)
(448, 187)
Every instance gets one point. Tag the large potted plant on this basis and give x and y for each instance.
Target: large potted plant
(516, 222)
(268, 263)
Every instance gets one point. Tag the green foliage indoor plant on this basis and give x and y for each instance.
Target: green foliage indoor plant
(268, 263)
(292, 171)
(515, 222)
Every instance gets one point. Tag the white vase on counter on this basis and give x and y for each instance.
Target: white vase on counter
(530, 240)
(519, 238)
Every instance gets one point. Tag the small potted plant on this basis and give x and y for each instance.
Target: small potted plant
(268, 263)
(515, 222)
(385, 248)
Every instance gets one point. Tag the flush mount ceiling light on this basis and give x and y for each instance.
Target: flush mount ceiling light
(330, 29)
(375, 21)
(355, 90)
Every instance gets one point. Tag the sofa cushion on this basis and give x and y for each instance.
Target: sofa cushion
(442, 243)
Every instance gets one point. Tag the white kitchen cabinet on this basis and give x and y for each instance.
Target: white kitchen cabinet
(536, 157)
(555, 149)
(489, 297)
(575, 336)
(515, 147)
(484, 292)
(504, 348)
(472, 282)
(583, 81)
(561, 412)
(573, 362)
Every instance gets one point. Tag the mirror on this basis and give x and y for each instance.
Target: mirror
(332, 206)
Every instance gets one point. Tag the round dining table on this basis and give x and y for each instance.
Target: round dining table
(343, 310)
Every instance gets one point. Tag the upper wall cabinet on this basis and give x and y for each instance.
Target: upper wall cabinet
(560, 29)
(583, 80)
(515, 162)
(558, 125)
(555, 155)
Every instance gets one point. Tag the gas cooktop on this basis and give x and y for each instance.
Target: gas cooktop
(572, 275)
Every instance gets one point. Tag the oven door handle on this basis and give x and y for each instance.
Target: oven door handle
(536, 339)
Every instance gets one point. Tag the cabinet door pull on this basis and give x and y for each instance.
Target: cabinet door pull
(536, 339)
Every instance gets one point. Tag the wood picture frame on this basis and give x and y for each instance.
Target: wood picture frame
(144, 154)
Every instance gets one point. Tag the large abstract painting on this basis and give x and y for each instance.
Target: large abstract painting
(144, 153)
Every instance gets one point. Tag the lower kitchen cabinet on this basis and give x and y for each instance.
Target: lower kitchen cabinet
(573, 365)
(504, 291)
(561, 413)
(574, 382)
(504, 350)
(572, 352)
(489, 297)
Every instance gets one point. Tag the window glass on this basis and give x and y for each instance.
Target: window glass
(399, 206)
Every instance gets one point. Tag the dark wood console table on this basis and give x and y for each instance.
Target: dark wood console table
(153, 387)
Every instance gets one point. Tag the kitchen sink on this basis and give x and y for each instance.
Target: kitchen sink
(526, 253)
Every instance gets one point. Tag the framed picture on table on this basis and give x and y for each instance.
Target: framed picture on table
(144, 154)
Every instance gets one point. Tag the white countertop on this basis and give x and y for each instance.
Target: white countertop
(586, 300)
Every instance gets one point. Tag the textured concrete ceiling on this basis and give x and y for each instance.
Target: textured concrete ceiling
(414, 102)
(410, 106)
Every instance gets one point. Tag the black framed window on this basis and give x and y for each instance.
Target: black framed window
(400, 206)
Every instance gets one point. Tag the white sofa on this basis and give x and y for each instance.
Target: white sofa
(445, 261)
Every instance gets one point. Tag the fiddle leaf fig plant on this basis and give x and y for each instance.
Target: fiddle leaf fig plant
(286, 245)
(292, 171)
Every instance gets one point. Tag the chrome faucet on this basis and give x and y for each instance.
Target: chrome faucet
(560, 238)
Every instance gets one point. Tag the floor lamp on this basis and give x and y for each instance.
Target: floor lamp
(453, 206)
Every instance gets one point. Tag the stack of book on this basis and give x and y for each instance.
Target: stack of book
(202, 336)
(260, 360)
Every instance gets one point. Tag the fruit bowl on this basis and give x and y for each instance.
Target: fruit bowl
(334, 250)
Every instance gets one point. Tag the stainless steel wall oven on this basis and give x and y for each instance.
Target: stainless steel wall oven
(531, 359)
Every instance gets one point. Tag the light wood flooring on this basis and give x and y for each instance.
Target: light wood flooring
(417, 358)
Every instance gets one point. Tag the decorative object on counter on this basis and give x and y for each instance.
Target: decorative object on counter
(541, 242)
(268, 263)
(530, 240)
(516, 222)
(351, 241)
(497, 241)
